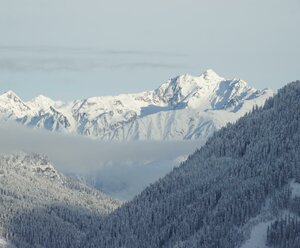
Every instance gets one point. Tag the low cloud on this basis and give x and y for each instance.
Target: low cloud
(119, 169)
(152, 65)
(75, 64)
(84, 50)
(49, 59)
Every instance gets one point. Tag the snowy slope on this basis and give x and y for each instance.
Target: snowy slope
(185, 107)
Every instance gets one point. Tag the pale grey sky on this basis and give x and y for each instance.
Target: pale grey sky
(70, 49)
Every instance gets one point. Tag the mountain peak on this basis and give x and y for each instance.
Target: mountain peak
(44, 103)
(12, 104)
(36, 163)
(41, 99)
(210, 74)
(10, 97)
(9, 94)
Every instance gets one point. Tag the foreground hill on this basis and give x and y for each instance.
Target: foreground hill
(242, 189)
(185, 107)
(39, 207)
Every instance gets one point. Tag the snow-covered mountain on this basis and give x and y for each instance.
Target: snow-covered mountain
(185, 107)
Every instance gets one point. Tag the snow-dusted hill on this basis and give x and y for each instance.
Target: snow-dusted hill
(32, 189)
(35, 177)
(185, 107)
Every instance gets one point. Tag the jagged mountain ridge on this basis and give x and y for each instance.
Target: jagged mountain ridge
(185, 107)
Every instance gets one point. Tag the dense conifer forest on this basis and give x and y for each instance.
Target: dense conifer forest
(206, 202)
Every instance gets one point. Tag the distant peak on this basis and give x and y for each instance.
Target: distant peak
(9, 94)
(210, 74)
(41, 98)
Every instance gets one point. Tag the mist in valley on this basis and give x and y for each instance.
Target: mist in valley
(121, 170)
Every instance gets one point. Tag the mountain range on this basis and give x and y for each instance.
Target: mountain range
(241, 189)
(183, 108)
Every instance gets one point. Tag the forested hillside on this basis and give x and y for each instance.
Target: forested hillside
(246, 171)
(39, 207)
